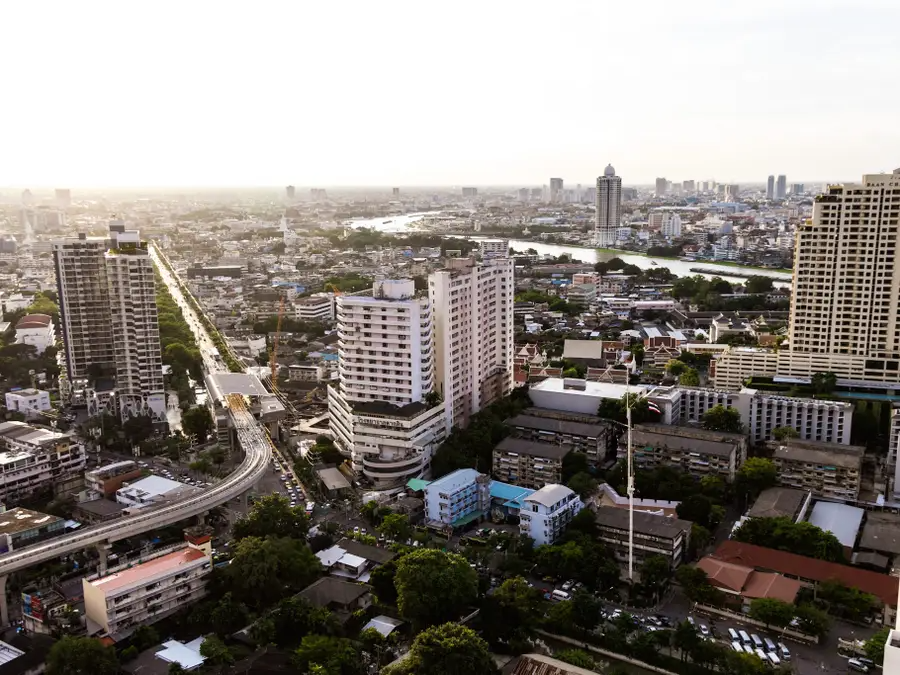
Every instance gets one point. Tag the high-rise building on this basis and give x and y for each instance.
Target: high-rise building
(107, 303)
(523, 195)
(688, 186)
(846, 295)
(732, 191)
(770, 187)
(556, 188)
(781, 187)
(290, 191)
(473, 310)
(662, 186)
(384, 410)
(608, 207)
(63, 198)
(395, 193)
(797, 189)
(469, 192)
(670, 227)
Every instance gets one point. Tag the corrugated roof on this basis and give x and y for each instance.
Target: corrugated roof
(841, 520)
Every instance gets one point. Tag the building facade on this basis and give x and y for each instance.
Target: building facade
(530, 464)
(608, 207)
(826, 469)
(696, 451)
(457, 497)
(33, 458)
(546, 514)
(28, 400)
(653, 535)
(36, 330)
(472, 305)
(107, 301)
(318, 307)
(104, 481)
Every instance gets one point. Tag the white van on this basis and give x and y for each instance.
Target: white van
(736, 646)
(744, 637)
(785, 652)
(748, 649)
(773, 659)
(559, 596)
(733, 634)
(757, 641)
(770, 646)
(762, 655)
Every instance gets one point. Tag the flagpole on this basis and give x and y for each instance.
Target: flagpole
(630, 489)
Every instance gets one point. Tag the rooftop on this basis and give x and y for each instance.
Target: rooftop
(533, 449)
(583, 349)
(645, 523)
(837, 456)
(841, 520)
(385, 409)
(236, 383)
(163, 566)
(21, 520)
(556, 425)
(152, 486)
(34, 321)
(584, 388)
(331, 590)
(21, 432)
(550, 494)
(686, 438)
(333, 479)
(881, 533)
(373, 553)
(778, 502)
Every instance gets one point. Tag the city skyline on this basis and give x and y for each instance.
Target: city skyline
(292, 94)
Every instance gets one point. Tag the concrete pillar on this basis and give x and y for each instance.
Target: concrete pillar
(102, 552)
(4, 609)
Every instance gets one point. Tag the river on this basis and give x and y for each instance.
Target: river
(681, 268)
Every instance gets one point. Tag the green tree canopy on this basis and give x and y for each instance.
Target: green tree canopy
(326, 655)
(396, 526)
(757, 474)
(197, 421)
(824, 383)
(784, 534)
(511, 612)
(702, 510)
(689, 378)
(216, 652)
(81, 656)
(448, 649)
(784, 433)
(584, 484)
(433, 586)
(720, 418)
(758, 284)
(264, 570)
(772, 612)
(676, 367)
(273, 516)
(875, 645)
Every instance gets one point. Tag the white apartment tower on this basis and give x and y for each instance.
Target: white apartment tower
(473, 309)
(781, 187)
(378, 409)
(608, 207)
(845, 304)
(107, 300)
(770, 187)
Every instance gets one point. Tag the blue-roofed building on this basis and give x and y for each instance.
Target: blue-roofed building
(465, 495)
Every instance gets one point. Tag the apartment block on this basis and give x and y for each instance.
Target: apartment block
(561, 428)
(107, 301)
(473, 318)
(546, 514)
(529, 464)
(318, 307)
(827, 470)
(894, 445)
(696, 451)
(28, 400)
(458, 497)
(730, 369)
(117, 603)
(381, 412)
(32, 458)
(653, 535)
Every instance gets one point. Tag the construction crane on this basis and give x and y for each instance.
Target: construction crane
(334, 289)
(273, 362)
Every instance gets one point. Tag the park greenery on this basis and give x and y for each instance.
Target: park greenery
(784, 534)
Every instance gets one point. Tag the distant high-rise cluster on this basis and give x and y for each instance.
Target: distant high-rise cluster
(556, 188)
(469, 192)
(107, 302)
(608, 206)
(395, 193)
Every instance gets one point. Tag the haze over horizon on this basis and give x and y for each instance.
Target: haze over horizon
(202, 94)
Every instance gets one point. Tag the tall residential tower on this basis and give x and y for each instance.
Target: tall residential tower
(608, 207)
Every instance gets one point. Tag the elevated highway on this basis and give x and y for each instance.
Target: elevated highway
(258, 451)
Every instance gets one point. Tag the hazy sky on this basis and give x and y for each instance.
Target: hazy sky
(429, 92)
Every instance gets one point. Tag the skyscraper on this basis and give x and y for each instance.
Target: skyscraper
(556, 188)
(732, 191)
(395, 193)
(689, 187)
(608, 207)
(662, 186)
(383, 411)
(473, 313)
(781, 187)
(845, 305)
(107, 302)
(797, 188)
(770, 187)
(290, 192)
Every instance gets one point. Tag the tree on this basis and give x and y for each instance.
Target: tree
(758, 284)
(448, 649)
(382, 581)
(176, 668)
(573, 464)
(396, 526)
(874, 646)
(784, 433)
(713, 487)
(197, 422)
(145, 637)
(757, 474)
(510, 614)
(813, 621)
(264, 570)
(655, 573)
(81, 656)
(434, 587)
(696, 586)
(701, 509)
(332, 655)
(273, 516)
(846, 601)
(689, 378)
(823, 383)
(138, 428)
(576, 657)
(584, 484)
(720, 418)
(685, 638)
(585, 610)
(771, 611)
(215, 651)
(676, 367)
(228, 615)
(802, 538)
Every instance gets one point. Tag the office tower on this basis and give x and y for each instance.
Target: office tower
(671, 225)
(556, 188)
(781, 187)
(395, 193)
(470, 192)
(63, 198)
(770, 187)
(536, 194)
(473, 313)
(608, 207)
(797, 189)
(318, 194)
(688, 186)
(661, 186)
(523, 195)
(290, 191)
(383, 412)
(107, 303)
(846, 283)
(629, 194)
(732, 191)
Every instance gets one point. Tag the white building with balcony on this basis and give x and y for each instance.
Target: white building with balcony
(318, 307)
(547, 512)
(382, 413)
(32, 458)
(117, 603)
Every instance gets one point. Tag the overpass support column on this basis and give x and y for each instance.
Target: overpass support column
(4, 609)
(102, 552)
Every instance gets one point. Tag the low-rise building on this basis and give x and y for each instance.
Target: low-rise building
(697, 451)
(318, 307)
(151, 491)
(731, 368)
(528, 463)
(106, 480)
(546, 513)
(32, 458)
(779, 502)
(747, 584)
(341, 598)
(36, 330)
(562, 428)
(841, 520)
(653, 535)
(353, 560)
(118, 602)
(825, 469)
(457, 498)
(20, 527)
(306, 372)
(578, 396)
(27, 401)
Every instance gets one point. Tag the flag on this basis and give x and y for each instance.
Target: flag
(654, 408)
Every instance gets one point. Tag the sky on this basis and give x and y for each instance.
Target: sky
(433, 92)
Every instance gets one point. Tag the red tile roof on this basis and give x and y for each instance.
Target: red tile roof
(34, 321)
(748, 582)
(882, 586)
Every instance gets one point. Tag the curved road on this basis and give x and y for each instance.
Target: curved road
(257, 455)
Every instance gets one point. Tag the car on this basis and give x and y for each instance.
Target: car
(858, 665)
(691, 621)
(356, 530)
(663, 620)
(704, 630)
(567, 586)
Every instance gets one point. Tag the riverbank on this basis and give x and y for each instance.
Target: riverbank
(724, 263)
